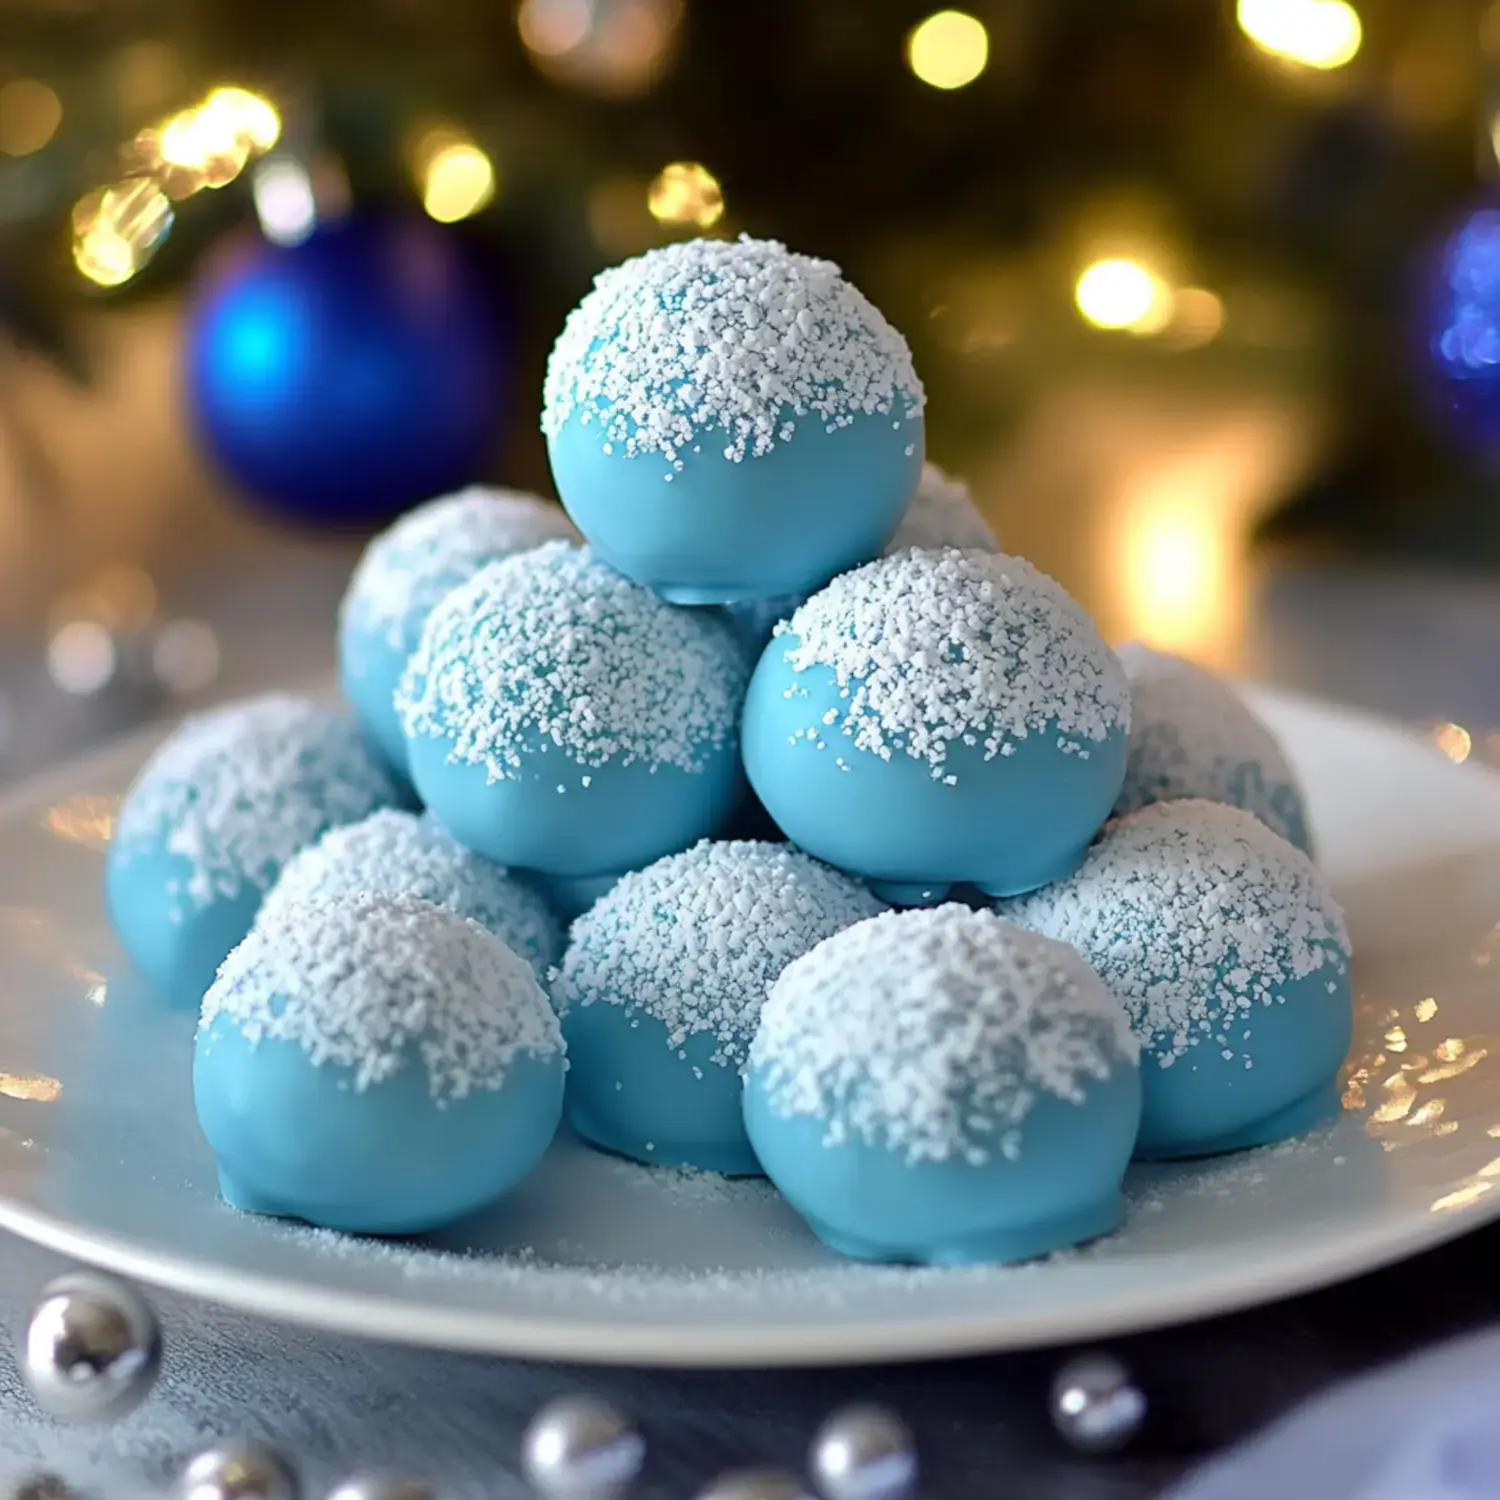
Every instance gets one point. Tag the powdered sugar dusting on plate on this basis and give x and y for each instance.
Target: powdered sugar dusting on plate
(238, 791)
(932, 1033)
(373, 983)
(697, 939)
(930, 648)
(409, 567)
(942, 514)
(551, 648)
(1194, 913)
(393, 853)
(745, 340)
(1191, 735)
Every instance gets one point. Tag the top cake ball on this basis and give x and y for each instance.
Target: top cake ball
(731, 421)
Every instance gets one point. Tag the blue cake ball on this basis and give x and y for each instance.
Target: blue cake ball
(563, 719)
(394, 853)
(943, 1087)
(1191, 735)
(939, 717)
(375, 1064)
(942, 513)
(406, 570)
(213, 817)
(661, 988)
(728, 420)
(1230, 955)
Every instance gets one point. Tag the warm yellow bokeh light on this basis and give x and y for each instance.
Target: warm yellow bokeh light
(1197, 317)
(104, 257)
(948, 49)
(457, 180)
(1454, 741)
(1177, 562)
(1322, 34)
(685, 192)
(116, 230)
(30, 113)
(1124, 294)
(251, 115)
(209, 144)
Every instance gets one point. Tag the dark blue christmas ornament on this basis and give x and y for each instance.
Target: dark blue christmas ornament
(1459, 322)
(346, 378)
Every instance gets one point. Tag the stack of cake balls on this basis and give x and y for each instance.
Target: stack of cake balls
(757, 815)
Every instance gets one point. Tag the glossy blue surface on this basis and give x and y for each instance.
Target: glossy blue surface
(1204, 1102)
(626, 816)
(299, 1141)
(718, 531)
(1010, 824)
(369, 670)
(631, 1092)
(868, 1202)
(178, 959)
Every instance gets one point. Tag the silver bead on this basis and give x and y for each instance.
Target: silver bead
(1096, 1406)
(237, 1470)
(382, 1487)
(577, 1448)
(864, 1453)
(91, 1349)
(755, 1484)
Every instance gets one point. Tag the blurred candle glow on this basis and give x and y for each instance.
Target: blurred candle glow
(948, 50)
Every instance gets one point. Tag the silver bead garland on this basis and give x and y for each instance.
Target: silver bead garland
(91, 1349)
(864, 1453)
(577, 1448)
(1096, 1405)
(238, 1470)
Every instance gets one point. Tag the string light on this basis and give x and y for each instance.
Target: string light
(454, 175)
(116, 230)
(686, 192)
(30, 113)
(1321, 34)
(1119, 293)
(208, 145)
(948, 50)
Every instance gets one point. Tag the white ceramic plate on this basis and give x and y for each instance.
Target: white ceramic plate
(598, 1260)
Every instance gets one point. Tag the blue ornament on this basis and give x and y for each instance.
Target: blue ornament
(350, 376)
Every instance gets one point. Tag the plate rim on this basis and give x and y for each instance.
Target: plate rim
(708, 1345)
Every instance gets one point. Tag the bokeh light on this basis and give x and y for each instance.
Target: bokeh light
(116, 230)
(1119, 293)
(1454, 741)
(948, 50)
(1197, 317)
(686, 192)
(285, 203)
(454, 175)
(81, 658)
(618, 48)
(208, 145)
(30, 113)
(1321, 34)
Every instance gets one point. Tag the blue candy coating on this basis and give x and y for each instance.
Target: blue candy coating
(942, 1087)
(213, 817)
(1230, 956)
(661, 987)
(408, 569)
(718, 531)
(394, 853)
(375, 1064)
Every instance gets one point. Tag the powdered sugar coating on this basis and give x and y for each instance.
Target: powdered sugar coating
(553, 648)
(375, 983)
(236, 792)
(409, 567)
(942, 513)
(394, 853)
(743, 340)
(1191, 735)
(933, 1032)
(697, 939)
(933, 647)
(1194, 913)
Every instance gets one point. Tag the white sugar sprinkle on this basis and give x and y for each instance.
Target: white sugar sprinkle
(236, 792)
(942, 513)
(932, 1033)
(743, 339)
(696, 939)
(409, 567)
(374, 983)
(551, 648)
(400, 854)
(1191, 735)
(937, 646)
(1194, 913)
